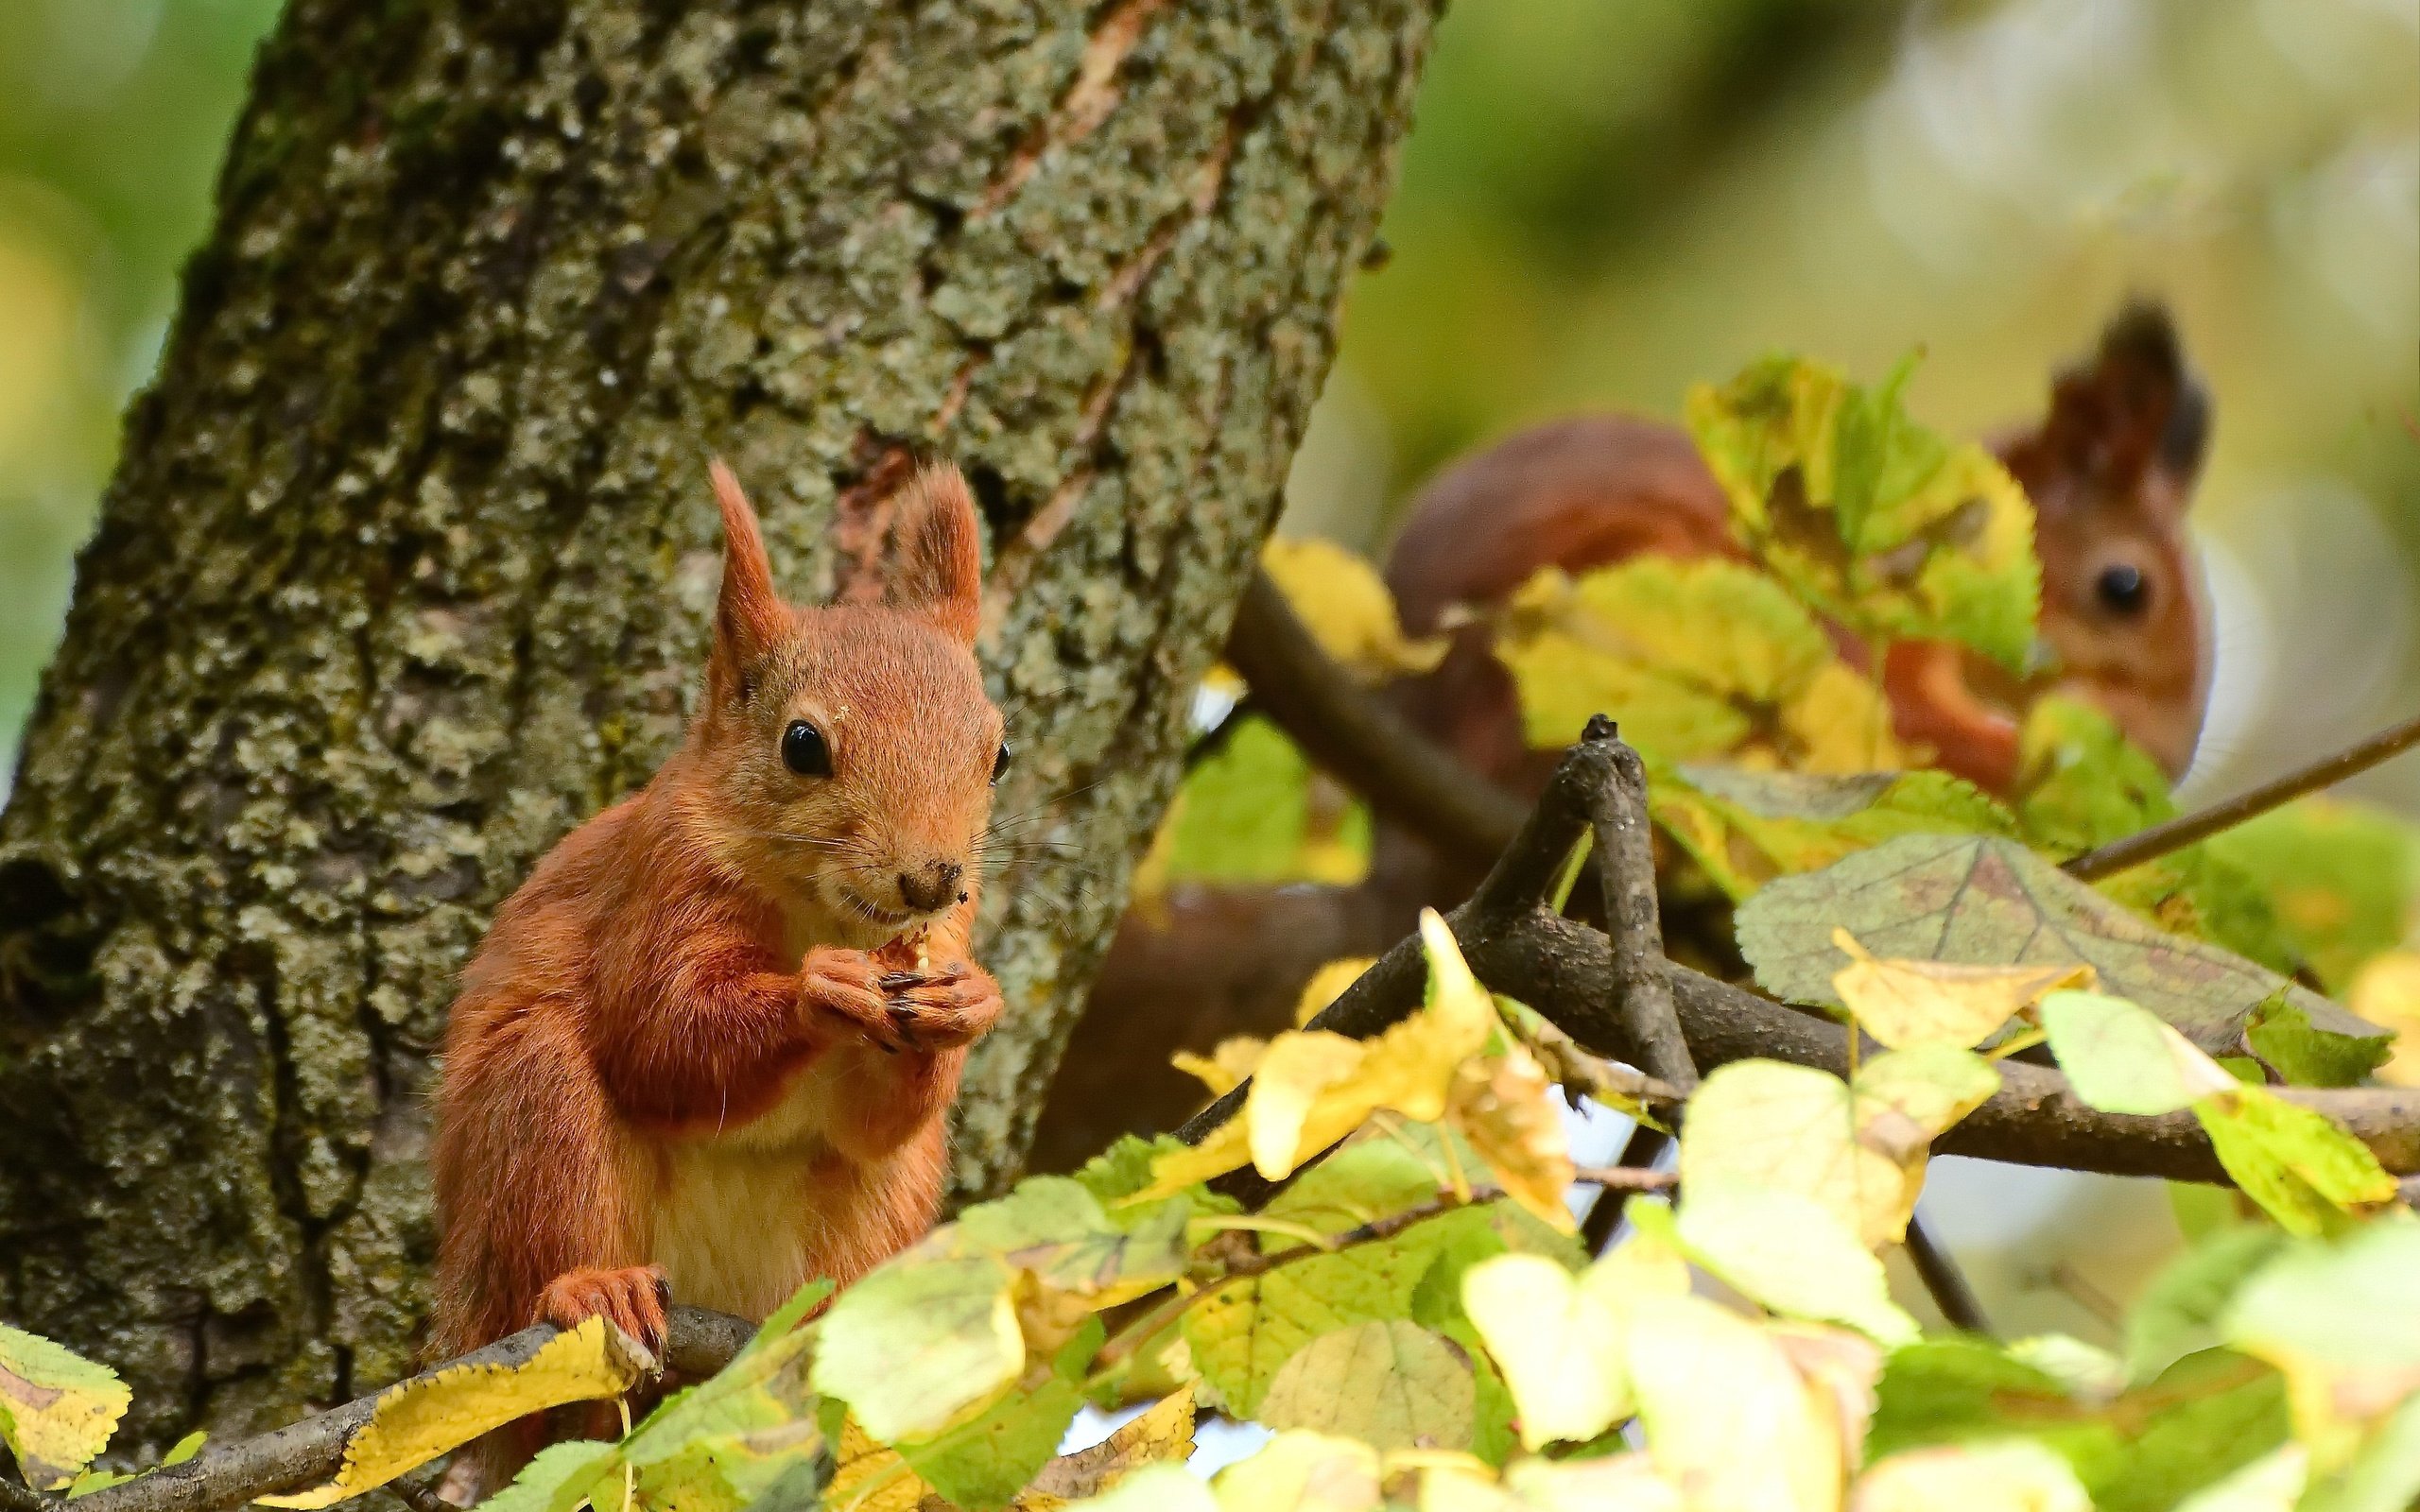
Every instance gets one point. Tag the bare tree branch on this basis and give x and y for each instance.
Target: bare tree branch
(1944, 1282)
(1626, 870)
(1358, 738)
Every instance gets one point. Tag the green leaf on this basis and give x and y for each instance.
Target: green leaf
(2010, 1476)
(57, 1408)
(2339, 874)
(1055, 1227)
(918, 1343)
(1681, 647)
(2282, 1035)
(2343, 1322)
(2302, 1170)
(544, 1480)
(1870, 517)
(1240, 1336)
(1746, 827)
(1792, 1254)
(1245, 813)
(2120, 1059)
(2179, 1312)
(2198, 1422)
(1389, 1384)
(749, 1436)
(982, 1464)
(1991, 901)
(2081, 783)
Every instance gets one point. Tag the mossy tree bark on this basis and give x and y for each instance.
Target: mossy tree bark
(406, 569)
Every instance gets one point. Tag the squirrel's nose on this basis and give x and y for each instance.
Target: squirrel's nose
(930, 887)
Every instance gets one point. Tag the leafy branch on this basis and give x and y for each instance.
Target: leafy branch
(1567, 972)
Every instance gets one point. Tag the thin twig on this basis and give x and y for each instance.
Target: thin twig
(1360, 738)
(1625, 858)
(420, 1496)
(2186, 829)
(1627, 1178)
(1647, 1145)
(15, 1498)
(1944, 1282)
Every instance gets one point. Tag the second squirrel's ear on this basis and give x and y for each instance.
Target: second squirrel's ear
(936, 564)
(750, 618)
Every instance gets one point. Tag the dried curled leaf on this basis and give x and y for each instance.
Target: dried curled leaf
(1161, 1434)
(57, 1408)
(424, 1416)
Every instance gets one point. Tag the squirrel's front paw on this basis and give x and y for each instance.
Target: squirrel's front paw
(847, 986)
(945, 1008)
(632, 1298)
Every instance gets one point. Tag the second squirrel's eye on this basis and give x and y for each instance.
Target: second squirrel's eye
(2123, 589)
(803, 751)
(1000, 763)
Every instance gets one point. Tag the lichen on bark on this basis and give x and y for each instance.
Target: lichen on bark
(404, 569)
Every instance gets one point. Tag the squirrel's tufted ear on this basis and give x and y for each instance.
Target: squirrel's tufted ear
(750, 619)
(936, 564)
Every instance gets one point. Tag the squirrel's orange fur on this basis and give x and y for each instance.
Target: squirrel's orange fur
(695, 1054)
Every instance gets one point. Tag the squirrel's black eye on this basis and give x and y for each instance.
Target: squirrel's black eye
(2123, 589)
(1000, 763)
(803, 751)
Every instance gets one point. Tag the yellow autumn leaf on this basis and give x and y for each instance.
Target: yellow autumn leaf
(1558, 1338)
(1327, 984)
(1613, 1483)
(870, 1476)
(1906, 1002)
(2387, 994)
(1225, 1068)
(1161, 1433)
(1299, 1470)
(2014, 1475)
(1313, 1088)
(1504, 1107)
(1345, 605)
(57, 1408)
(1295, 1073)
(1727, 1415)
(1841, 722)
(414, 1422)
(1860, 1150)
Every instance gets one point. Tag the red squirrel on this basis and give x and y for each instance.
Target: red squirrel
(704, 1052)
(2110, 471)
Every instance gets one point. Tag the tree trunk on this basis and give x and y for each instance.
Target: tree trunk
(406, 569)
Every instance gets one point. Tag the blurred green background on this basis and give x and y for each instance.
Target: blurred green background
(1601, 202)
